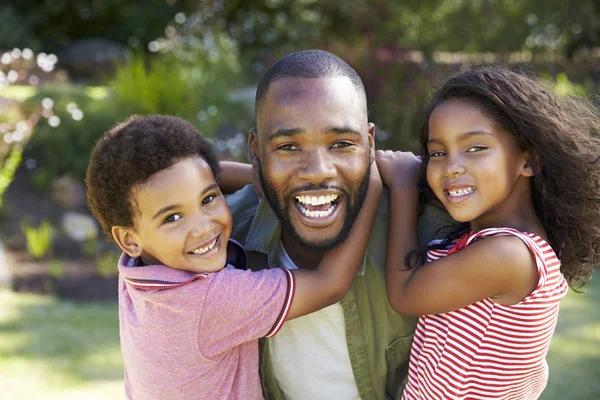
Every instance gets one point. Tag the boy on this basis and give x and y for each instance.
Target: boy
(190, 313)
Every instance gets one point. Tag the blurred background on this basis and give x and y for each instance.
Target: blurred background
(69, 70)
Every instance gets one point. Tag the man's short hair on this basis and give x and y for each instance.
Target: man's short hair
(308, 64)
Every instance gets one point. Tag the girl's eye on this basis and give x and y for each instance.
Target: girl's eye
(208, 199)
(476, 148)
(172, 218)
(436, 154)
(340, 145)
(287, 147)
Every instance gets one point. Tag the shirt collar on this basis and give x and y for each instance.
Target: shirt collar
(153, 277)
(264, 235)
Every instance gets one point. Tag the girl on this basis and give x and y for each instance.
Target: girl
(519, 168)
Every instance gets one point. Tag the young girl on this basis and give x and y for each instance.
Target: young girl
(190, 314)
(520, 169)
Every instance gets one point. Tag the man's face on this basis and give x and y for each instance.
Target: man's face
(312, 149)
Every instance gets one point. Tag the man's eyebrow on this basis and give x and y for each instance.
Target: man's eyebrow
(296, 131)
(341, 130)
(285, 132)
(463, 136)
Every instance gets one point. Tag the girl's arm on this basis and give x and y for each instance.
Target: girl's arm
(501, 268)
(234, 176)
(333, 277)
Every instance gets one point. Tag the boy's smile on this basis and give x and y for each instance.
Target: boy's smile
(182, 218)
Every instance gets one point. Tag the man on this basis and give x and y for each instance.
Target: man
(312, 150)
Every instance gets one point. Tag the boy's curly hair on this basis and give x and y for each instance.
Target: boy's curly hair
(129, 154)
(561, 134)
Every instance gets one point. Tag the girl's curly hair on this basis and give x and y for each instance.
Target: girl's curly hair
(561, 133)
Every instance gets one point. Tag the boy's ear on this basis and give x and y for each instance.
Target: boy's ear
(126, 241)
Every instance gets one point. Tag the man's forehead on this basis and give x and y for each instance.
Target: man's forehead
(328, 89)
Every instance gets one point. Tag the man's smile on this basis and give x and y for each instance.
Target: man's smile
(318, 209)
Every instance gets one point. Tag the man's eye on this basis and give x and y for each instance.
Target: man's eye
(339, 145)
(208, 199)
(287, 147)
(172, 218)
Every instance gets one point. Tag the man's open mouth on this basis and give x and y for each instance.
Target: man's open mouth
(317, 206)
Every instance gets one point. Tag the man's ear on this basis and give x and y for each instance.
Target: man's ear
(253, 147)
(126, 241)
(371, 138)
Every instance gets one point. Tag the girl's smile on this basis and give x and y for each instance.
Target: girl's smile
(476, 168)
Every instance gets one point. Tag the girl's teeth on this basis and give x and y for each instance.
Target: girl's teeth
(202, 250)
(461, 192)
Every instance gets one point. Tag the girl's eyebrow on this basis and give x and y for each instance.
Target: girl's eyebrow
(464, 136)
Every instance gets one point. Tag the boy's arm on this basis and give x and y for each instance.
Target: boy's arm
(234, 176)
(332, 279)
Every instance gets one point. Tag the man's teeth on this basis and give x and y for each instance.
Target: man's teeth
(461, 192)
(317, 214)
(317, 200)
(202, 250)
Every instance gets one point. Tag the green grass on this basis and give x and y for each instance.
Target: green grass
(55, 349)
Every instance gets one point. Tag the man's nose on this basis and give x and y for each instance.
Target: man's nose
(317, 167)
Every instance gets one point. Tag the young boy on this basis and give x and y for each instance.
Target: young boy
(190, 313)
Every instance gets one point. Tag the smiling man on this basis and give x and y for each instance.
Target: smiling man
(312, 149)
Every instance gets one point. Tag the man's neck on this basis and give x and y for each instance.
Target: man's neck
(302, 259)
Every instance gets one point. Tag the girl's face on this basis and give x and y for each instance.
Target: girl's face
(476, 168)
(183, 220)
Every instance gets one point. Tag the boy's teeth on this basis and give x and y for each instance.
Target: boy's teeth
(461, 192)
(317, 200)
(202, 250)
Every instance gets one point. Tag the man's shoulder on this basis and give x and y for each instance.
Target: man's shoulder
(243, 205)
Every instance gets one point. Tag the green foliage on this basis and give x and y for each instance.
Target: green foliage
(65, 149)
(107, 264)
(55, 270)
(7, 171)
(90, 247)
(39, 240)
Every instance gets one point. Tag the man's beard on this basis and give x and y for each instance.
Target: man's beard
(283, 211)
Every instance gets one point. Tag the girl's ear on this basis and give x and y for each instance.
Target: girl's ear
(532, 164)
(126, 241)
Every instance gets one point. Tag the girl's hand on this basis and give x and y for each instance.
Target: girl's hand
(398, 169)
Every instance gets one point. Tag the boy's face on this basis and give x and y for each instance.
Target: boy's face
(182, 220)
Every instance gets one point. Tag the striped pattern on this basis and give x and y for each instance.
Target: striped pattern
(487, 350)
(287, 304)
(147, 284)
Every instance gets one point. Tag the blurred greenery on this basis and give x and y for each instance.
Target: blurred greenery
(39, 239)
(73, 349)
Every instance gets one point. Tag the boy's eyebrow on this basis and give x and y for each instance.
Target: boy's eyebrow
(175, 206)
(165, 209)
(296, 131)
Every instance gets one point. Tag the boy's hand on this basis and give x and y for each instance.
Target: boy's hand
(398, 169)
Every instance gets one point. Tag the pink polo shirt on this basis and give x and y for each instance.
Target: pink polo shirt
(195, 336)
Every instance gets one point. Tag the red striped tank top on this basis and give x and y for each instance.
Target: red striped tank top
(487, 350)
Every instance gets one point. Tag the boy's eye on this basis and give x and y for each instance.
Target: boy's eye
(287, 147)
(208, 199)
(172, 218)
